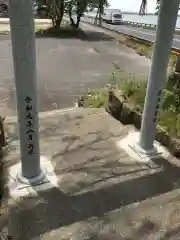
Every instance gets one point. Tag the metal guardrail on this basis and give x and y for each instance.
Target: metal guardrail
(145, 25)
(143, 39)
(133, 23)
(139, 24)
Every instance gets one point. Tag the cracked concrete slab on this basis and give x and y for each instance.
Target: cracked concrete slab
(101, 193)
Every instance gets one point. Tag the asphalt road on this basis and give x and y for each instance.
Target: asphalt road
(136, 32)
(67, 67)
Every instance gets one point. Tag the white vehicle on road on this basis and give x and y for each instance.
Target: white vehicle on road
(113, 16)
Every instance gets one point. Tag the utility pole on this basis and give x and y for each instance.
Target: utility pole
(24, 60)
(158, 74)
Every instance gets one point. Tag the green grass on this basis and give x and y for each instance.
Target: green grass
(123, 85)
(172, 60)
(169, 115)
(96, 99)
(170, 121)
(152, 28)
(143, 49)
(134, 92)
(139, 47)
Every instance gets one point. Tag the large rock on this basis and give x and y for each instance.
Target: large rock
(115, 104)
(127, 114)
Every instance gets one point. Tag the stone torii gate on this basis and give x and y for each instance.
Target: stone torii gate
(158, 76)
(24, 59)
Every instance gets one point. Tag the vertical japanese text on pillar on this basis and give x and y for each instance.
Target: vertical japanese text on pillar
(29, 125)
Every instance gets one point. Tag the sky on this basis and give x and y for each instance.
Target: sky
(128, 5)
(132, 5)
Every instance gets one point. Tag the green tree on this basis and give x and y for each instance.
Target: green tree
(74, 8)
(55, 10)
(78, 7)
(99, 5)
(142, 10)
(143, 7)
(157, 7)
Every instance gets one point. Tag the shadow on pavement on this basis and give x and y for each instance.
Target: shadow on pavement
(53, 209)
(74, 33)
(100, 187)
(172, 234)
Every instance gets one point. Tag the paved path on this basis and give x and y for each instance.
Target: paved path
(67, 67)
(102, 193)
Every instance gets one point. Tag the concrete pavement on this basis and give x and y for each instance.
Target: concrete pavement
(102, 193)
(67, 67)
(37, 21)
(40, 23)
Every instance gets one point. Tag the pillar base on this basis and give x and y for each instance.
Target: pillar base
(31, 181)
(142, 152)
(20, 186)
(131, 145)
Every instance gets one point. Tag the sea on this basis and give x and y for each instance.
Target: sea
(147, 19)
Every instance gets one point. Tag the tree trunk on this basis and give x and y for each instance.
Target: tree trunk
(70, 15)
(100, 17)
(101, 6)
(2, 135)
(80, 8)
(57, 23)
(57, 13)
(53, 21)
(61, 10)
(72, 20)
(96, 18)
(177, 67)
(78, 20)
